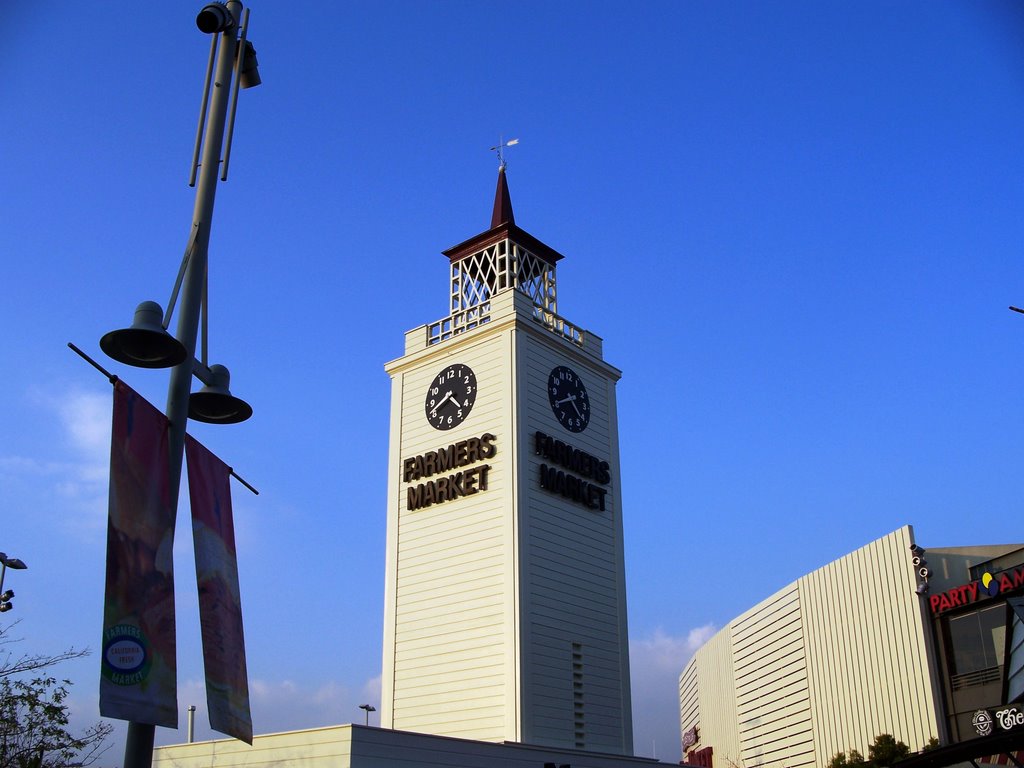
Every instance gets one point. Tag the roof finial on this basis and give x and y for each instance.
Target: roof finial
(501, 155)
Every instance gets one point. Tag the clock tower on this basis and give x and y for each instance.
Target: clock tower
(505, 598)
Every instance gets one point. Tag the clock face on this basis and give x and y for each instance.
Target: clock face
(450, 396)
(569, 400)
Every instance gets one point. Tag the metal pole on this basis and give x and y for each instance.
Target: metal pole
(138, 750)
(191, 723)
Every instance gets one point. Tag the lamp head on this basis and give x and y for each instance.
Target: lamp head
(215, 17)
(12, 562)
(249, 67)
(214, 404)
(147, 344)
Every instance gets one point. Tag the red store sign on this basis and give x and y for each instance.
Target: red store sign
(989, 585)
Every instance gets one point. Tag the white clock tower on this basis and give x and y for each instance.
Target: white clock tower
(505, 597)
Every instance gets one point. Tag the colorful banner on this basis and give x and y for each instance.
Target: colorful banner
(220, 604)
(138, 680)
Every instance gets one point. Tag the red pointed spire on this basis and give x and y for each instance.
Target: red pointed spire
(502, 202)
(503, 226)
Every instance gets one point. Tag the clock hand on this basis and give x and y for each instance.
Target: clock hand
(571, 399)
(442, 401)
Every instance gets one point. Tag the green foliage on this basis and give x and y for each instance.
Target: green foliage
(854, 760)
(34, 729)
(885, 751)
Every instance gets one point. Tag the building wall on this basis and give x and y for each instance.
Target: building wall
(970, 598)
(449, 626)
(770, 667)
(358, 746)
(709, 685)
(313, 748)
(865, 631)
(576, 687)
(824, 665)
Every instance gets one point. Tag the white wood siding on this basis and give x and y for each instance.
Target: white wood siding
(502, 606)
(571, 573)
(452, 606)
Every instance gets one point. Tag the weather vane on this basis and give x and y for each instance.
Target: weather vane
(501, 145)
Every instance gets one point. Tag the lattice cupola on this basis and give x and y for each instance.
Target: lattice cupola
(503, 258)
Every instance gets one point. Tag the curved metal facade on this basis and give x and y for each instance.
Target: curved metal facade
(822, 666)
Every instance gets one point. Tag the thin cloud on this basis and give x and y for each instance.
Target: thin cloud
(276, 706)
(24, 466)
(655, 663)
(74, 461)
(86, 420)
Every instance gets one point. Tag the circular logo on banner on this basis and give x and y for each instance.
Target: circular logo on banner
(125, 655)
(982, 722)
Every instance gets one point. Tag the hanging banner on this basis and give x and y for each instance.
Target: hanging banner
(220, 604)
(139, 678)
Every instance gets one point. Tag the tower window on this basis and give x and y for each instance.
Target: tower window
(578, 722)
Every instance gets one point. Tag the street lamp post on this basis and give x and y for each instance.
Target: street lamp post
(147, 344)
(5, 563)
(368, 708)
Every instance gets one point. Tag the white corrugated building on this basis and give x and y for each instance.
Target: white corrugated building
(858, 648)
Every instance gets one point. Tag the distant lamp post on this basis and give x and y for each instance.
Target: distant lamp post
(147, 343)
(5, 563)
(368, 708)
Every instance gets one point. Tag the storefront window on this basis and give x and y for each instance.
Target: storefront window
(976, 644)
(1015, 664)
(978, 640)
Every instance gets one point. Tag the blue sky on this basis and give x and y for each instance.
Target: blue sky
(796, 225)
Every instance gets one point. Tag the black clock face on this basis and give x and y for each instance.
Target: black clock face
(569, 400)
(450, 396)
